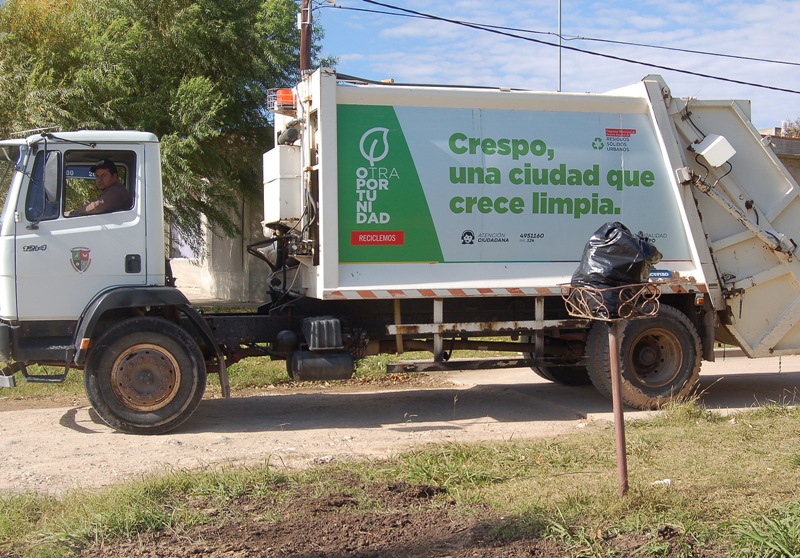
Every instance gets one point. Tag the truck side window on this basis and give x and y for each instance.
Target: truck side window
(81, 188)
(43, 200)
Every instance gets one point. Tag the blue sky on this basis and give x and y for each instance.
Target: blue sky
(415, 50)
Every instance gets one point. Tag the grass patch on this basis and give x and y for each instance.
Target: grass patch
(733, 488)
(773, 535)
(47, 526)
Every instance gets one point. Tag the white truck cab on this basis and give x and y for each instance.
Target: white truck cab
(53, 264)
(68, 282)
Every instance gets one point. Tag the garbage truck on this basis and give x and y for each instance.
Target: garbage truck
(404, 218)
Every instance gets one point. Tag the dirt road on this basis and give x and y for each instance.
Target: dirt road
(54, 449)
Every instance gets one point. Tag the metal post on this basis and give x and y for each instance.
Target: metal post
(438, 318)
(398, 337)
(559, 46)
(538, 333)
(640, 301)
(614, 335)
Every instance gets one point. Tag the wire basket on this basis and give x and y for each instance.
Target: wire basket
(627, 302)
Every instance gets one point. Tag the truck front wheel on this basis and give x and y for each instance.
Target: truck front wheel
(145, 376)
(659, 359)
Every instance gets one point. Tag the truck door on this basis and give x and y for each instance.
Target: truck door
(64, 261)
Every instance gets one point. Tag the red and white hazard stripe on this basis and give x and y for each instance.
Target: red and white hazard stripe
(370, 294)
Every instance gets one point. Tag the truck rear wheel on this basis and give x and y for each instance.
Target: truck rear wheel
(659, 359)
(145, 376)
(566, 374)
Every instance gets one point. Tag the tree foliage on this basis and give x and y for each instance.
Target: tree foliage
(194, 72)
(791, 128)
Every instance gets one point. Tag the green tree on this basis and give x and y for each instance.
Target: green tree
(194, 72)
(791, 128)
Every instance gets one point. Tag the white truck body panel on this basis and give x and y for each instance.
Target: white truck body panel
(282, 186)
(753, 192)
(405, 237)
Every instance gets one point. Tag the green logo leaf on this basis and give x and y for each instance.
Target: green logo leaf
(374, 145)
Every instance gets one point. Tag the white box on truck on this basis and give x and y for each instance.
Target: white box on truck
(474, 192)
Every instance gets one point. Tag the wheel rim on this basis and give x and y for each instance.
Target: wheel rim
(656, 358)
(145, 377)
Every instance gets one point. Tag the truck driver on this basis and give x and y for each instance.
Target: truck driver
(114, 196)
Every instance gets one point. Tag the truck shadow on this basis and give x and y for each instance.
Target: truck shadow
(455, 409)
(740, 392)
(412, 410)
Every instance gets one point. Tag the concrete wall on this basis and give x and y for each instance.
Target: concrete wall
(227, 272)
(788, 151)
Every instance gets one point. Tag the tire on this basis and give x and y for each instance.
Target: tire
(565, 375)
(659, 359)
(568, 374)
(145, 376)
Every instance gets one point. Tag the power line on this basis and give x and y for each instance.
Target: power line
(503, 32)
(686, 50)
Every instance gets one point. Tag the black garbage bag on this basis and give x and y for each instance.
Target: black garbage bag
(614, 257)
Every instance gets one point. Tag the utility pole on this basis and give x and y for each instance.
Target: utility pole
(559, 46)
(305, 36)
